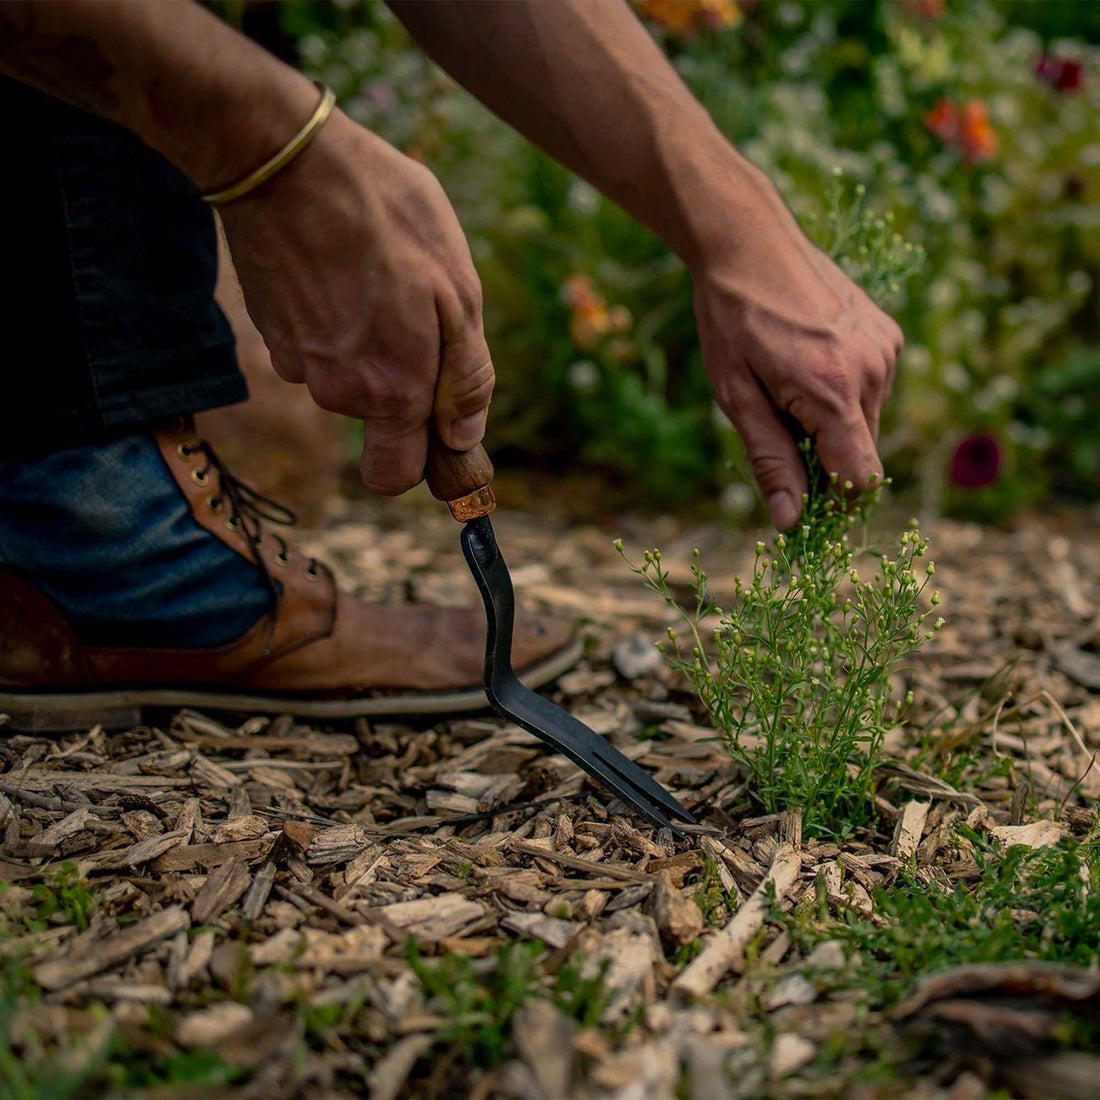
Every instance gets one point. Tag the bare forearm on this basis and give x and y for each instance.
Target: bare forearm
(583, 80)
(205, 97)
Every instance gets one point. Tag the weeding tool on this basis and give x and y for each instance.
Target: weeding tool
(463, 481)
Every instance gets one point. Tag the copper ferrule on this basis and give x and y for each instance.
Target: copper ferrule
(473, 505)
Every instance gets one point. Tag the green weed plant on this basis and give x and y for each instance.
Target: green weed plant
(864, 242)
(798, 671)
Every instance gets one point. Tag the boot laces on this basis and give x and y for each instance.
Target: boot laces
(248, 510)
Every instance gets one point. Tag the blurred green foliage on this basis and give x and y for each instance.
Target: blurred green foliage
(987, 158)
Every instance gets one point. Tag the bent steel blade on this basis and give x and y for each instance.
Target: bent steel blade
(550, 723)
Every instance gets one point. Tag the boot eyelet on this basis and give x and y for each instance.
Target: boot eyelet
(214, 504)
(200, 477)
(233, 523)
(313, 573)
(282, 558)
(186, 451)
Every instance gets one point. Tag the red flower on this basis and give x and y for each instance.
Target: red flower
(924, 9)
(943, 120)
(1064, 74)
(977, 462)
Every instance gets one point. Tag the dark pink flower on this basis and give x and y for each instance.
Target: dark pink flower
(977, 462)
(1064, 74)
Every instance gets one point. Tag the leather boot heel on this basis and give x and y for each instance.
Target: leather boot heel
(63, 714)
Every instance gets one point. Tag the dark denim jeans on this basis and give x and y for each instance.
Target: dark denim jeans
(107, 316)
(109, 324)
(104, 530)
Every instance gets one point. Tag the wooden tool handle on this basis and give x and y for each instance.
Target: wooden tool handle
(461, 479)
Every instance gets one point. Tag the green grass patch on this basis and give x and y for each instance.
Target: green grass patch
(1019, 904)
(481, 1003)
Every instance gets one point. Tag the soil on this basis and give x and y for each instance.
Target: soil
(254, 883)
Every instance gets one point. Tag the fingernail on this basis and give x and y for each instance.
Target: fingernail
(467, 432)
(783, 510)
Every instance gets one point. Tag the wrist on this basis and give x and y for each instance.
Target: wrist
(237, 125)
(729, 210)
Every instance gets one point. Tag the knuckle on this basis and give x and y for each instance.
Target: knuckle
(876, 375)
(473, 390)
(832, 385)
(395, 401)
(468, 289)
(385, 402)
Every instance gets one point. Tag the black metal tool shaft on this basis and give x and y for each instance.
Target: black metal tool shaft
(548, 722)
(464, 480)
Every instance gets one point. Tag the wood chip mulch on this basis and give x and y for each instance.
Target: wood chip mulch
(253, 876)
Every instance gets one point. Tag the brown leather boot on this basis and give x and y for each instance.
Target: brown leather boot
(320, 653)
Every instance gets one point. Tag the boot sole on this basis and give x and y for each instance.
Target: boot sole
(59, 712)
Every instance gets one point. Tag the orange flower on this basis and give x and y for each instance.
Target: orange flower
(719, 13)
(968, 129)
(976, 134)
(589, 318)
(686, 16)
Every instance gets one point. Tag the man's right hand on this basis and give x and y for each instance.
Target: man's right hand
(358, 275)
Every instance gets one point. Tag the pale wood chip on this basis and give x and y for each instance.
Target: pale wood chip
(430, 919)
(44, 779)
(336, 845)
(210, 1026)
(206, 773)
(47, 842)
(93, 956)
(276, 950)
(725, 951)
(197, 959)
(1036, 834)
(361, 872)
(553, 931)
(188, 856)
(111, 989)
(909, 830)
(144, 851)
(678, 918)
(544, 1041)
(258, 892)
(387, 1078)
(189, 818)
(243, 827)
(451, 802)
(789, 1054)
(223, 888)
(142, 824)
(354, 949)
(603, 870)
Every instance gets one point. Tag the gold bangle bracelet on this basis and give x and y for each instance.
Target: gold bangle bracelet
(283, 157)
